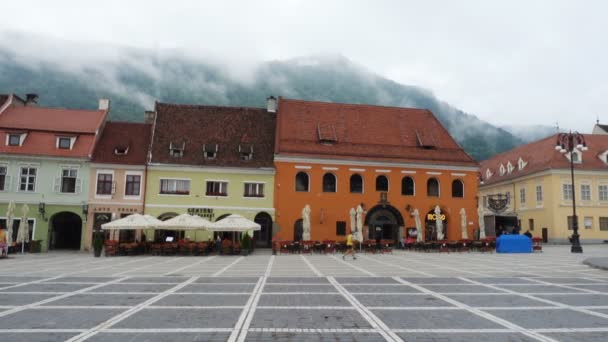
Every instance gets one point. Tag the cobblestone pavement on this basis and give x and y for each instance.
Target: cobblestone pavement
(403, 296)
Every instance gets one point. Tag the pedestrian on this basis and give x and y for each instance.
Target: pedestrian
(528, 234)
(350, 249)
(218, 244)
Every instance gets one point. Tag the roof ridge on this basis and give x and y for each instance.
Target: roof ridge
(206, 106)
(351, 104)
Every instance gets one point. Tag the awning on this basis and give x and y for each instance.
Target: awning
(131, 222)
(234, 223)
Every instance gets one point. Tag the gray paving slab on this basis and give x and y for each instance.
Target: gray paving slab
(481, 300)
(366, 280)
(174, 280)
(101, 300)
(42, 287)
(404, 300)
(83, 279)
(599, 288)
(381, 288)
(202, 300)
(308, 319)
(181, 318)
(565, 280)
(460, 289)
(562, 318)
(57, 318)
(245, 280)
(313, 337)
(299, 288)
(36, 337)
(501, 280)
(465, 337)
(435, 280)
(293, 280)
(160, 337)
(433, 319)
(18, 279)
(22, 299)
(579, 336)
(218, 288)
(538, 289)
(578, 300)
(302, 300)
(598, 262)
(125, 288)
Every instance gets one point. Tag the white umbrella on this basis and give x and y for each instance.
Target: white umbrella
(234, 223)
(131, 222)
(10, 212)
(185, 222)
(23, 235)
(439, 223)
(482, 223)
(418, 225)
(353, 221)
(463, 224)
(306, 223)
(359, 219)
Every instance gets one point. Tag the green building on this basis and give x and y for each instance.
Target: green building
(45, 163)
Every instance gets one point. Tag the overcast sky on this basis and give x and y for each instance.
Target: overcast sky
(510, 62)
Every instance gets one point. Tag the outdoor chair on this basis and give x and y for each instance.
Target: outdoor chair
(369, 246)
(169, 249)
(387, 246)
(329, 246)
(453, 246)
(111, 248)
(464, 245)
(487, 245)
(318, 247)
(284, 247)
(443, 246)
(537, 244)
(307, 247)
(156, 249)
(294, 247)
(341, 246)
(186, 248)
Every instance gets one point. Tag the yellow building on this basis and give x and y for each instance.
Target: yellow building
(530, 188)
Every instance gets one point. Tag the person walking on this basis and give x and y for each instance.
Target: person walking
(218, 244)
(350, 248)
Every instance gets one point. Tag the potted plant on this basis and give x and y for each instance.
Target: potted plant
(246, 244)
(97, 243)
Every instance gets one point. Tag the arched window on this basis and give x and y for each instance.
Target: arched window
(457, 188)
(302, 182)
(356, 184)
(381, 183)
(432, 187)
(407, 186)
(329, 182)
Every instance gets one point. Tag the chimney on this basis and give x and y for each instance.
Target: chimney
(104, 104)
(30, 99)
(271, 104)
(149, 116)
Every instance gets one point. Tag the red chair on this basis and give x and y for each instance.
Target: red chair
(443, 246)
(464, 245)
(537, 244)
(329, 246)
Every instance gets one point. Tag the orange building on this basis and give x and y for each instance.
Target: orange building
(390, 160)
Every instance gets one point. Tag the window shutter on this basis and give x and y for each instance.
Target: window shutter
(57, 184)
(78, 185)
(7, 183)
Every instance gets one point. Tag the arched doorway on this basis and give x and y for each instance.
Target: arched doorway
(263, 236)
(383, 221)
(65, 231)
(162, 235)
(298, 230)
(430, 225)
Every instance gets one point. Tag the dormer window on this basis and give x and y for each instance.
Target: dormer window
(424, 141)
(210, 151)
(326, 134)
(577, 156)
(604, 157)
(65, 143)
(121, 150)
(521, 164)
(510, 167)
(176, 150)
(501, 170)
(15, 139)
(246, 151)
(488, 174)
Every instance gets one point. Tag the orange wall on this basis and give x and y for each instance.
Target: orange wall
(336, 206)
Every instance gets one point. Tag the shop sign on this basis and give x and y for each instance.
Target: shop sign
(433, 217)
(202, 212)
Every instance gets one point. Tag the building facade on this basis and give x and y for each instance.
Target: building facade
(118, 178)
(45, 163)
(530, 188)
(211, 161)
(392, 161)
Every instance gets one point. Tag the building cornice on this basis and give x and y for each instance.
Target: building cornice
(224, 170)
(118, 166)
(186, 206)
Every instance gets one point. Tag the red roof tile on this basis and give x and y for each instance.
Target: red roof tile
(52, 119)
(196, 126)
(365, 132)
(134, 136)
(541, 155)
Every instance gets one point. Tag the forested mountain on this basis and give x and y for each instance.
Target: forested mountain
(136, 78)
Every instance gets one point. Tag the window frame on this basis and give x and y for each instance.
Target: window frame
(566, 191)
(461, 188)
(539, 194)
(327, 187)
(175, 193)
(64, 139)
(351, 184)
(260, 188)
(587, 191)
(11, 136)
(307, 181)
(63, 178)
(33, 182)
(140, 184)
(111, 182)
(603, 223)
(602, 192)
(388, 184)
(403, 186)
(522, 196)
(428, 189)
(222, 190)
(5, 178)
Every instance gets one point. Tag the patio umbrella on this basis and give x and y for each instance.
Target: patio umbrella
(359, 221)
(418, 225)
(306, 223)
(185, 222)
(23, 235)
(234, 223)
(353, 221)
(482, 223)
(439, 223)
(131, 222)
(463, 224)
(10, 212)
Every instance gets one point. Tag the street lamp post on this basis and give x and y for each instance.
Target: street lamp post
(568, 142)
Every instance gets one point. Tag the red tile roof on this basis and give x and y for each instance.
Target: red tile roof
(365, 132)
(134, 136)
(196, 126)
(44, 144)
(541, 155)
(52, 119)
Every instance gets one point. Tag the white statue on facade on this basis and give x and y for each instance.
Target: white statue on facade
(439, 223)
(306, 223)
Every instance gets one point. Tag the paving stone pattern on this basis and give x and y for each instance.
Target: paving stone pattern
(403, 296)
